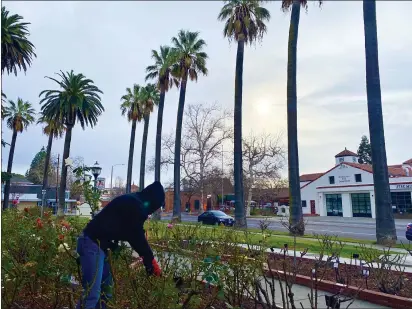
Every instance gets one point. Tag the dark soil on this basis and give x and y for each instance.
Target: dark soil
(388, 282)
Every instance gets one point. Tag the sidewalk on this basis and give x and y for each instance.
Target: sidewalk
(321, 220)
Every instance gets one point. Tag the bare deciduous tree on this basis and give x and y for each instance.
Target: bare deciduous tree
(204, 133)
(263, 159)
(119, 182)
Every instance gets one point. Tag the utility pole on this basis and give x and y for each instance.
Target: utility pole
(223, 175)
(57, 179)
(111, 176)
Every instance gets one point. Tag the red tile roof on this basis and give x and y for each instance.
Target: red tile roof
(345, 153)
(134, 188)
(394, 171)
(408, 161)
(364, 167)
(310, 177)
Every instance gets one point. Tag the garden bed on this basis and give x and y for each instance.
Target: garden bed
(348, 275)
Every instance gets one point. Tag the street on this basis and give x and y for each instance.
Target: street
(357, 228)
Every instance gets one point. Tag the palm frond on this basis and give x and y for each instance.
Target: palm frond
(190, 57)
(77, 99)
(16, 50)
(160, 71)
(19, 115)
(244, 20)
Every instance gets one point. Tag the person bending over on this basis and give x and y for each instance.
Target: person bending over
(121, 220)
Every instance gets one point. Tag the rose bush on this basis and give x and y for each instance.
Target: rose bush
(201, 267)
(40, 269)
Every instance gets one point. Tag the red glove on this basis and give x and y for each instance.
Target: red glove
(156, 269)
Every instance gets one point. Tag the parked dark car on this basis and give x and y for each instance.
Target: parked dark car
(408, 233)
(216, 217)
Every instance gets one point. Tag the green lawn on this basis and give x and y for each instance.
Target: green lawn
(308, 236)
(275, 239)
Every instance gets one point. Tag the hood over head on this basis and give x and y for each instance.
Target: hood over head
(153, 197)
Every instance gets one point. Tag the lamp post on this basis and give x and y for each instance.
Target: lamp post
(223, 175)
(96, 170)
(43, 193)
(111, 175)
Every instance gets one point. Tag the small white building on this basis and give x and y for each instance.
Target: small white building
(346, 190)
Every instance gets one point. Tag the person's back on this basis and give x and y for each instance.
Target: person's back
(118, 221)
(121, 220)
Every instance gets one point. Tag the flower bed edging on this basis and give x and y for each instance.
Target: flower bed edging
(391, 301)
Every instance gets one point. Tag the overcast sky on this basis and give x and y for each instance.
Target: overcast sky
(110, 42)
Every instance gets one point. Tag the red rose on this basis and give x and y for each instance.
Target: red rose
(39, 223)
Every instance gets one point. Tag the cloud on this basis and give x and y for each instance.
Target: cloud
(110, 42)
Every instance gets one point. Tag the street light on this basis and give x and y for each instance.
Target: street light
(96, 170)
(43, 192)
(111, 176)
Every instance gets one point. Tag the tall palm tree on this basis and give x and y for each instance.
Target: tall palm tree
(191, 60)
(161, 72)
(16, 49)
(77, 100)
(385, 223)
(19, 116)
(3, 100)
(131, 107)
(296, 216)
(149, 98)
(53, 129)
(245, 23)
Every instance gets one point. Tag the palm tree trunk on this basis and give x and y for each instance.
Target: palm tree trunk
(293, 153)
(47, 162)
(130, 163)
(385, 224)
(158, 155)
(240, 213)
(159, 133)
(143, 154)
(177, 208)
(9, 167)
(63, 179)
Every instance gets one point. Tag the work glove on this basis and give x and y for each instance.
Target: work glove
(154, 269)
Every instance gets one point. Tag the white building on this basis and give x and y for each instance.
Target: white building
(347, 188)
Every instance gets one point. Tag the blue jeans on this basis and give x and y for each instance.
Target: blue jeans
(97, 279)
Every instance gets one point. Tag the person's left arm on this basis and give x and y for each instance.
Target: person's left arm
(140, 244)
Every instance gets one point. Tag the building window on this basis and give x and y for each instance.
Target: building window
(303, 203)
(354, 160)
(334, 205)
(341, 160)
(358, 177)
(361, 205)
(402, 201)
(332, 180)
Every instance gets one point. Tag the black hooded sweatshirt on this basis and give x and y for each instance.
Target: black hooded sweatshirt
(123, 218)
